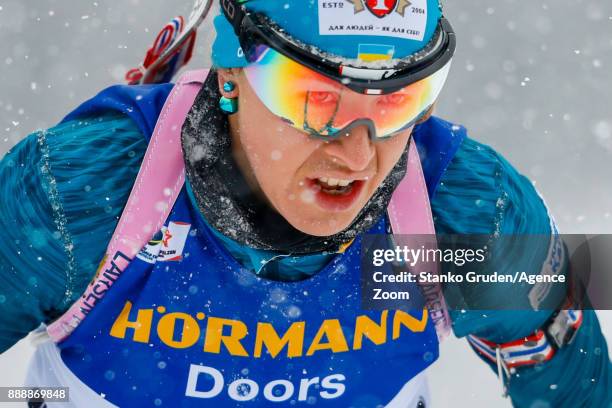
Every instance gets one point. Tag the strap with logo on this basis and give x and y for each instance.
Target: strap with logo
(559, 331)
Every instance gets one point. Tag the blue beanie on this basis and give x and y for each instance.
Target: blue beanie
(353, 29)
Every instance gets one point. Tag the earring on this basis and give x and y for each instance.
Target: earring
(228, 105)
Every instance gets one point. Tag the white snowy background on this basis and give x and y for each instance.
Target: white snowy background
(531, 78)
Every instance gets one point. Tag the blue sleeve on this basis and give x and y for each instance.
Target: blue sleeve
(63, 191)
(481, 193)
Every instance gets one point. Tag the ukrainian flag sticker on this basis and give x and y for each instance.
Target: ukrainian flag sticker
(375, 52)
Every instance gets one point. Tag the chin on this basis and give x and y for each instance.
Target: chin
(321, 227)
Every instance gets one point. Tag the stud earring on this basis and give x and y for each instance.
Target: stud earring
(228, 105)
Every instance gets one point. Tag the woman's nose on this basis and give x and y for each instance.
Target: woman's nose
(355, 150)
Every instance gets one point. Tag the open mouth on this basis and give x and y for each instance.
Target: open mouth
(333, 194)
(335, 186)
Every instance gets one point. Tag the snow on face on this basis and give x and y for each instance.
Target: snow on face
(318, 186)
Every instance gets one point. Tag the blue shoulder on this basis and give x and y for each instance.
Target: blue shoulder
(482, 193)
(141, 103)
(437, 141)
(64, 190)
(93, 163)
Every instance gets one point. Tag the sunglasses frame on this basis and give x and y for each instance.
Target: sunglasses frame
(327, 132)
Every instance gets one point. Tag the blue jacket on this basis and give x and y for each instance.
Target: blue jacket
(63, 191)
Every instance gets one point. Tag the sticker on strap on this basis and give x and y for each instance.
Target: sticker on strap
(390, 18)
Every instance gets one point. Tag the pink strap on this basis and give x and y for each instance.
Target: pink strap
(410, 216)
(409, 209)
(157, 186)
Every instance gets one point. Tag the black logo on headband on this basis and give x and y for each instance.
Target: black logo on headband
(381, 8)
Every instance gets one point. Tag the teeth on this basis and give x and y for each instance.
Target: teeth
(332, 182)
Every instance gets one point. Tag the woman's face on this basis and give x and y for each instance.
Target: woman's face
(318, 186)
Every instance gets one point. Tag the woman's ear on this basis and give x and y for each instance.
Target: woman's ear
(227, 79)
